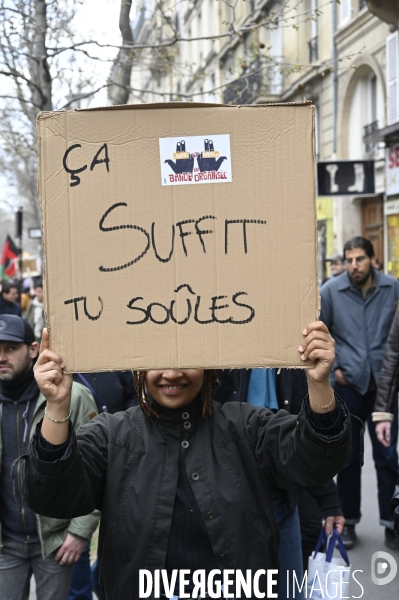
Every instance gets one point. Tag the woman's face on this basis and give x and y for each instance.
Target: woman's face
(174, 388)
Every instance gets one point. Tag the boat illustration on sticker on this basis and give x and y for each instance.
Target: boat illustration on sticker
(195, 159)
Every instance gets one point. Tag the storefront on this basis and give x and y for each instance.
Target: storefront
(391, 208)
(325, 235)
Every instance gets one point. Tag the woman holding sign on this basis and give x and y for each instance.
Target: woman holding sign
(183, 482)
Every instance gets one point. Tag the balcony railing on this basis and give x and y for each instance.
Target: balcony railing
(258, 80)
(313, 50)
(371, 147)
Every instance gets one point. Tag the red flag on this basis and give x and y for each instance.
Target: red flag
(8, 263)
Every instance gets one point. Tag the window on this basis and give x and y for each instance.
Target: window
(276, 51)
(346, 11)
(313, 6)
(392, 50)
(317, 129)
(372, 98)
(312, 43)
(212, 95)
(229, 70)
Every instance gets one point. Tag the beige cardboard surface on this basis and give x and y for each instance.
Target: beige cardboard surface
(234, 293)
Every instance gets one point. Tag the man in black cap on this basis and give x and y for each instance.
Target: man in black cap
(32, 544)
(337, 265)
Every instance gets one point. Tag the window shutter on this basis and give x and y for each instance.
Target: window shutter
(346, 11)
(392, 50)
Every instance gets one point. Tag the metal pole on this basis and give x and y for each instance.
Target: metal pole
(335, 77)
(19, 225)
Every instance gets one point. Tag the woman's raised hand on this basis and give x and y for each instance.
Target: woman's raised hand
(319, 347)
(54, 384)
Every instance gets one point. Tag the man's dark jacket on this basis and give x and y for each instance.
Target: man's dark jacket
(127, 466)
(112, 391)
(388, 383)
(291, 389)
(9, 308)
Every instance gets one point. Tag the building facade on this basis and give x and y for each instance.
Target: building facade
(342, 56)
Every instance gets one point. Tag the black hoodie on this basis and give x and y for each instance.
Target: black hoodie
(17, 404)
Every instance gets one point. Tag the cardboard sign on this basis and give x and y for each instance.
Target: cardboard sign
(146, 271)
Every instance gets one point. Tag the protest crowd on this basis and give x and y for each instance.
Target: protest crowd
(199, 371)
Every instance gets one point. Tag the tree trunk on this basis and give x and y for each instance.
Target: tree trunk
(118, 90)
(40, 72)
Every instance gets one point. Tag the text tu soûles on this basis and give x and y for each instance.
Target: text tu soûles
(158, 313)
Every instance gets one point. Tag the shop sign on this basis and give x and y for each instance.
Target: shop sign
(392, 170)
(345, 178)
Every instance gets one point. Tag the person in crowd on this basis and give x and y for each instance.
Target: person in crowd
(386, 404)
(358, 308)
(395, 510)
(112, 392)
(26, 298)
(388, 386)
(182, 481)
(337, 265)
(8, 299)
(35, 313)
(298, 514)
(32, 544)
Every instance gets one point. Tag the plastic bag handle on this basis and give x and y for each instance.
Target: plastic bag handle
(322, 540)
(336, 538)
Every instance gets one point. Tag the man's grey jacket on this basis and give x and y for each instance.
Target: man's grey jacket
(360, 327)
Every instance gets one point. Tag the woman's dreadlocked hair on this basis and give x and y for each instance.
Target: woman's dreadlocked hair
(210, 378)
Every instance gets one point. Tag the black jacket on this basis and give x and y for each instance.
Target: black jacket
(112, 391)
(9, 308)
(388, 382)
(291, 389)
(127, 466)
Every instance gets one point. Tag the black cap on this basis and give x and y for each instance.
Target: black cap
(15, 329)
(335, 258)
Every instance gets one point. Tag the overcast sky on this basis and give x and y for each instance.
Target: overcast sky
(100, 19)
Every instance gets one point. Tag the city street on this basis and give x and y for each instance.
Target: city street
(371, 539)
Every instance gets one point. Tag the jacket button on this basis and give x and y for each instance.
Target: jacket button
(234, 392)
(187, 425)
(185, 444)
(286, 402)
(209, 515)
(185, 415)
(222, 556)
(195, 476)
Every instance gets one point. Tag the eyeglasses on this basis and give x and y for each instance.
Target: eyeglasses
(357, 259)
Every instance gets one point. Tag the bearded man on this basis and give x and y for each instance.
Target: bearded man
(358, 308)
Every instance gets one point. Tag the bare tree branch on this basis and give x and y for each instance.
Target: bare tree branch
(122, 68)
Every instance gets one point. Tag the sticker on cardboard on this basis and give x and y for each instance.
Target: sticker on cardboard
(190, 160)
